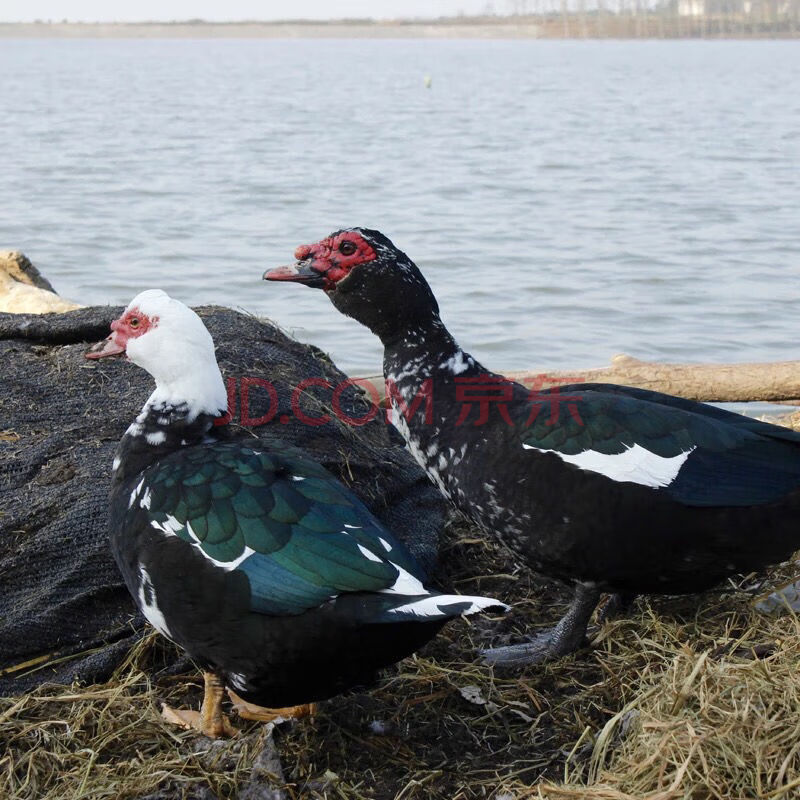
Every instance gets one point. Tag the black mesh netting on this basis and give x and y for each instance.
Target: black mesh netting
(61, 417)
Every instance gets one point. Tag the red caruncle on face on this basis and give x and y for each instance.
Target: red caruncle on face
(335, 256)
(131, 324)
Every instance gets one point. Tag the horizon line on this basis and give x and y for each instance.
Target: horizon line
(282, 21)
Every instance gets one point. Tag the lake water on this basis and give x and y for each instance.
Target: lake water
(566, 200)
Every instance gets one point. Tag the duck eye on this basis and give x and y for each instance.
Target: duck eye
(134, 322)
(347, 248)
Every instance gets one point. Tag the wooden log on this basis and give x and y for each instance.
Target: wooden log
(717, 383)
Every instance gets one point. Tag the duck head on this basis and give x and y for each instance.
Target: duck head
(366, 277)
(166, 338)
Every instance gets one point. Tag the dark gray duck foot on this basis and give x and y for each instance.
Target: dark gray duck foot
(566, 637)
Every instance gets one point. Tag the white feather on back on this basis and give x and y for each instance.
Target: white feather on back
(635, 464)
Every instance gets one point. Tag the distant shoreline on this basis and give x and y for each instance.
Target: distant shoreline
(356, 29)
(555, 26)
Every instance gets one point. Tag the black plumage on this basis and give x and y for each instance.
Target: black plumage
(300, 618)
(605, 487)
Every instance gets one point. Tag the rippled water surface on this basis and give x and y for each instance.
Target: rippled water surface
(566, 200)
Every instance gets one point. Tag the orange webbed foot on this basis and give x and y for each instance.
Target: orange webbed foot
(210, 721)
(260, 714)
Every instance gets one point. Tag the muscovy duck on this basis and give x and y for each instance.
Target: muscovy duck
(257, 561)
(606, 487)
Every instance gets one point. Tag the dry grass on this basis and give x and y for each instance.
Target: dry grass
(712, 711)
(679, 699)
(107, 741)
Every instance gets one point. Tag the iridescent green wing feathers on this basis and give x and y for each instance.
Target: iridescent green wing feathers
(299, 534)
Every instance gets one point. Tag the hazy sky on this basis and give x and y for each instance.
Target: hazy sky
(130, 10)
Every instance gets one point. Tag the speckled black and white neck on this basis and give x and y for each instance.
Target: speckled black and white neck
(160, 428)
(423, 368)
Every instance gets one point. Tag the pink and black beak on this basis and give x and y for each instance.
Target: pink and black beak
(300, 272)
(108, 347)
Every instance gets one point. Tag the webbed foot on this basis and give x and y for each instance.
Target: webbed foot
(566, 637)
(261, 714)
(210, 721)
(537, 650)
(193, 720)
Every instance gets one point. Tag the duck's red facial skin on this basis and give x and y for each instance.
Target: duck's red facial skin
(131, 324)
(335, 256)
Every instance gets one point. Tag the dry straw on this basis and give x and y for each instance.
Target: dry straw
(680, 698)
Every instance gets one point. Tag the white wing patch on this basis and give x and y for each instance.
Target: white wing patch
(171, 526)
(226, 565)
(635, 464)
(406, 583)
(135, 493)
(367, 554)
(431, 606)
(148, 603)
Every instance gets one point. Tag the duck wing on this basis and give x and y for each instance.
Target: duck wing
(697, 454)
(301, 537)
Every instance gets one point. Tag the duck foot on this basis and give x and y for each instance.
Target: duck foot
(566, 637)
(210, 721)
(261, 714)
(537, 650)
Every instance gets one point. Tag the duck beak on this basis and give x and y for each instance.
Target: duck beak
(301, 272)
(108, 347)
